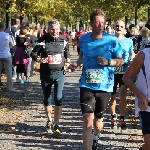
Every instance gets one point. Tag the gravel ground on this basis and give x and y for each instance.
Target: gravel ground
(22, 120)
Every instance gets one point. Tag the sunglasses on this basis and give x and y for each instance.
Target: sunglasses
(117, 26)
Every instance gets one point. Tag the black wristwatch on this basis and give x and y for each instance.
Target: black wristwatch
(109, 62)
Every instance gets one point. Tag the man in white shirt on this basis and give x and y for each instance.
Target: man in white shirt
(5, 56)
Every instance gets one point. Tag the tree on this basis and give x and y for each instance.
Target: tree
(71, 11)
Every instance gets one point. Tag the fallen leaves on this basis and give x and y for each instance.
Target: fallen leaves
(12, 128)
(42, 136)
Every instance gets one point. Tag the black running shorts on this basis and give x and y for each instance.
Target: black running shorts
(117, 80)
(94, 101)
(145, 122)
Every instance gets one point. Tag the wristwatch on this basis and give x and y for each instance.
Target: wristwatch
(109, 62)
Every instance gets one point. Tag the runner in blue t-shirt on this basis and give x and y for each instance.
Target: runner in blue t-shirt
(127, 51)
(99, 53)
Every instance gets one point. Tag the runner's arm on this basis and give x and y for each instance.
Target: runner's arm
(110, 62)
(116, 62)
(37, 49)
(35, 52)
(132, 71)
(79, 61)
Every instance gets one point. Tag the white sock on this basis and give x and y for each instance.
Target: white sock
(50, 119)
(54, 124)
(95, 137)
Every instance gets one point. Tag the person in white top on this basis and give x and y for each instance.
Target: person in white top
(73, 33)
(140, 67)
(5, 55)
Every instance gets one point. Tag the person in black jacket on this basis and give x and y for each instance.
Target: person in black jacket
(30, 67)
(20, 60)
(50, 53)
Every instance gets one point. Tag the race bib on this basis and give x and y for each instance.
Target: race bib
(55, 59)
(119, 70)
(93, 76)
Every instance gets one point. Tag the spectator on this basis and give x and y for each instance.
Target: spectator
(30, 67)
(5, 56)
(109, 30)
(72, 36)
(36, 32)
(20, 60)
(14, 30)
(145, 33)
(147, 25)
(128, 34)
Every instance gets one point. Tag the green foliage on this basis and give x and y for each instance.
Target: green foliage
(71, 11)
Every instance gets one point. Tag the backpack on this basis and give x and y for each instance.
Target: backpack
(27, 49)
(13, 32)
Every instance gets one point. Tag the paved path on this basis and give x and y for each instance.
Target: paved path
(22, 120)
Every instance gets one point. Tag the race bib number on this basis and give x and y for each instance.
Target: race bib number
(119, 70)
(93, 76)
(55, 59)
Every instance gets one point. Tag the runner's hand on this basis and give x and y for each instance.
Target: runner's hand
(26, 43)
(102, 60)
(72, 67)
(142, 102)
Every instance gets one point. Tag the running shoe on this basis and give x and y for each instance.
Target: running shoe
(25, 81)
(123, 124)
(49, 127)
(113, 121)
(95, 144)
(56, 130)
(19, 81)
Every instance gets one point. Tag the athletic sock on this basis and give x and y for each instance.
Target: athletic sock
(50, 119)
(114, 115)
(95, 137)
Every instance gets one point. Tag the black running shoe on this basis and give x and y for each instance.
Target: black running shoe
(56, 130)
(95, 144)
(123, 124)
(49, 127)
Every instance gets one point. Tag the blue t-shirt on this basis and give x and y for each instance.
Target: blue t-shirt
(127, 48)
(107, 47)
